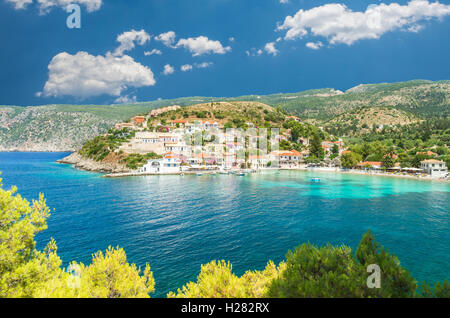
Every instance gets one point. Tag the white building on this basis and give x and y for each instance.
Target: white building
(435, 168)
(258, 162)
(169, 164)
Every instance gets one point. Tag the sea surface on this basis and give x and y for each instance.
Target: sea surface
(178, 223)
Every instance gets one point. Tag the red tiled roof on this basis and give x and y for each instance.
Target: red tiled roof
(370, 163)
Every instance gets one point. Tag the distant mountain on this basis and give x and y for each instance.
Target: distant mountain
(67, 127)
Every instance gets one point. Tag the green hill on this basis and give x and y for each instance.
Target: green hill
(67, 127)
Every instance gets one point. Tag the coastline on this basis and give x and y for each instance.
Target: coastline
(367, 173)
(114, 170)
(85, 164)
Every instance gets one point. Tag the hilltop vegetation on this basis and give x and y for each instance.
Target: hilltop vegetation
(228, 114)
(363, 120)
(67, 127)
(424, 99)
(410, 144)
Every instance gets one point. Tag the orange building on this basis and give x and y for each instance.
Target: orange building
(138, 119)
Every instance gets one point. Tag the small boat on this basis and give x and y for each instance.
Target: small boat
(241, 174)
(199, 174)
(315, 179)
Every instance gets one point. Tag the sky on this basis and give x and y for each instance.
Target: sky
(142, 50)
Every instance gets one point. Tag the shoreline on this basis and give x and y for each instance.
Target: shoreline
(366, 173)
(114, 171)
(217, 172)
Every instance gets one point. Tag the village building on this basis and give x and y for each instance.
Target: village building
(138, 120)
(120, 126)
(427, 153)
(287, 158)
(258, 162)
(435, 168)
(295, 118)
(170, 163)
(370, 164)
(180, 123)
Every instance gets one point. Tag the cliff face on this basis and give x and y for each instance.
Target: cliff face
(45, 129)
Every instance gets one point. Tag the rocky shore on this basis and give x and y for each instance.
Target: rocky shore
(82, 163)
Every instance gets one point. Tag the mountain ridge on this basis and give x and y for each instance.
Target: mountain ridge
(64, 127)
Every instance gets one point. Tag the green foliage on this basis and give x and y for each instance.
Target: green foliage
(335, 272)
(101, 146)
(216, 280)
(350, 160)
(22, 267)
(440, 290)
(319, 272)
(315, 147)
(135, 160)
(109, 276)
(27, 272)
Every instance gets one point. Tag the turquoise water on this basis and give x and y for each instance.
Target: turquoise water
(177, 223)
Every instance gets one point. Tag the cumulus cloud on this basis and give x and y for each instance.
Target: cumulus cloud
(314, 45)
(339, 24)
(203, 65)
(20, 4)
(254, 52)
(152, 52)
(168, 69)
(128, 39)
(202, 45)
(83, 75)
(47, 5)
(186, 67)
(125, 100)
(284, 1)
(270, 48)
(168, 38)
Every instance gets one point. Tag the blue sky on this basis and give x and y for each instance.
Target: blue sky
(143, 50)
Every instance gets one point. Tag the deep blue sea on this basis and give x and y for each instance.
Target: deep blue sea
(178, 223)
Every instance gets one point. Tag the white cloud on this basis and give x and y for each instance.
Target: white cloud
(125, 100)
(186, 67)
(314, 45)
(231, 39)
(47, 5)
(270, 48)
(284, 1)
(339, 24)
(168, 69)
(202, 45)
(203, 65)
(83, 75)
(152, 52)
(168, 38)
(127, 40)
(254, 52)
(20, 4)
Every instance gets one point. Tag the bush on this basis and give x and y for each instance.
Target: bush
(27, 272)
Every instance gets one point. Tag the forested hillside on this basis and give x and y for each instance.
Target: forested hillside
(67, 127)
